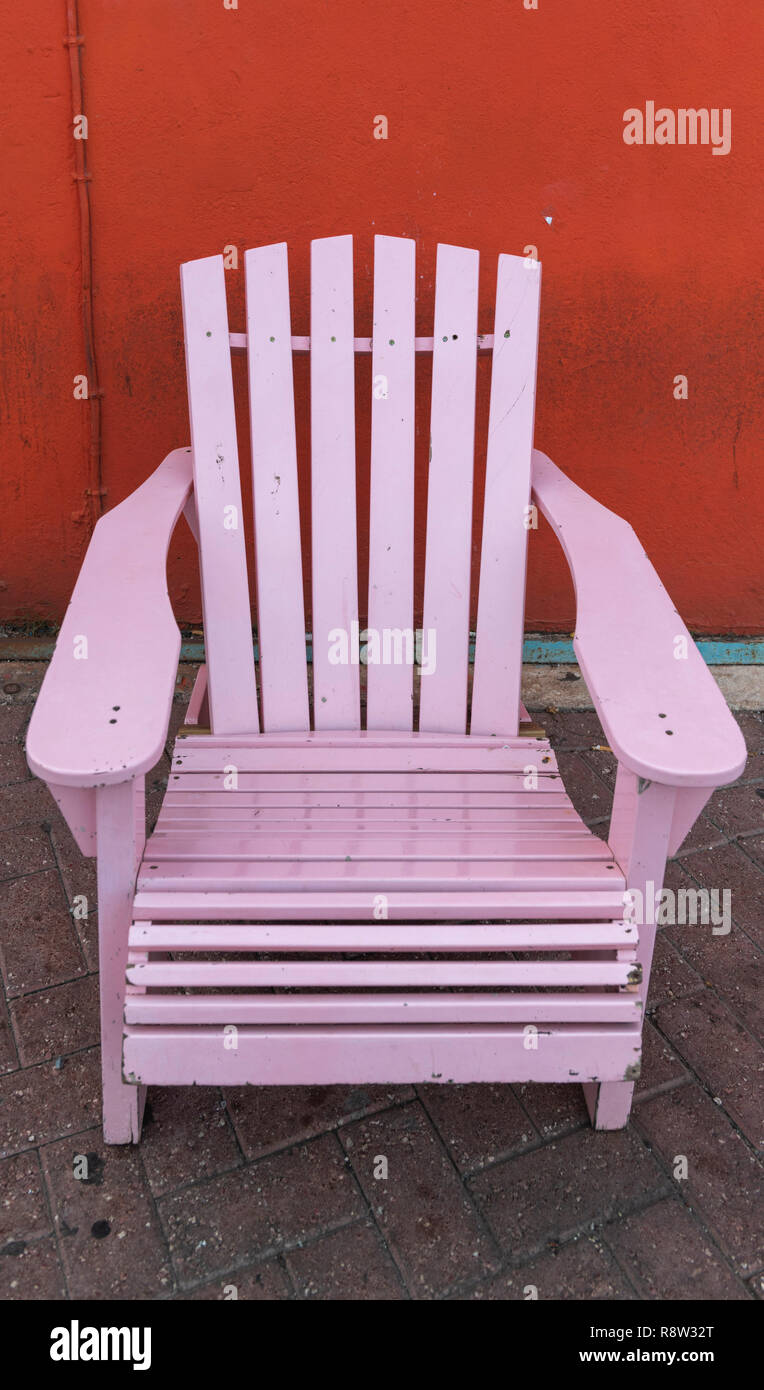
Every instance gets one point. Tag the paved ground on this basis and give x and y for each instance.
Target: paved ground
(491, 1189)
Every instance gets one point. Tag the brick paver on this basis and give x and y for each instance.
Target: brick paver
(25, 849)
(725, 1056)
(730, 867)
(661, 1067)
(110, 1238)
(560, 1190)
(423, 1210)
(187, 1136)
(53, 1022)
(590, 794)
(554, 1110)
(478, 1124)
(267, 1118)
(262, 1283)
(8, 1053)
(723, 1179)
(668, 1256)
(38, 943)
(275, 1203)
(582, 1269)
(671, 976)
(731, 965)
(492, 1193)
(349, 1264)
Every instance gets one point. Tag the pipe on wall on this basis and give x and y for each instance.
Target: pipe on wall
(95, 491)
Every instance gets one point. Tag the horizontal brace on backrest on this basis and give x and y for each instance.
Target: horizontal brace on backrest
(238, 343)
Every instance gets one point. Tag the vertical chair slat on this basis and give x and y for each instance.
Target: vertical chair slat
(443, 700)
(278, 555)
(501, 602)
(391, 525)
(336, 685)
(217, 488)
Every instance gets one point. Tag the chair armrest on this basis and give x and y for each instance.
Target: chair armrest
(665, 718)
(104, 708)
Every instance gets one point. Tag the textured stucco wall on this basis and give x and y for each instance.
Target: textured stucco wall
(210, 126)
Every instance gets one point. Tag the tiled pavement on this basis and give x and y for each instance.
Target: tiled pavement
(491, 1189)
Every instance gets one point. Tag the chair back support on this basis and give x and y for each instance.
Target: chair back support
(387, 645)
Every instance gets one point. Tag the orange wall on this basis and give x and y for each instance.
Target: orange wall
(211, 126)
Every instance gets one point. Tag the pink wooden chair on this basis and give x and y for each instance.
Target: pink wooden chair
(322, 902)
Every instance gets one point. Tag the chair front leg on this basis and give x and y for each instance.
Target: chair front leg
(640, 828)
(120, 828)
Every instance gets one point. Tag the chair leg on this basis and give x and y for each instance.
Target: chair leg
(120, 843)
(609, 1103)
(639, 837)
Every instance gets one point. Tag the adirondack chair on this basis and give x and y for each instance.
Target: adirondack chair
(322, 902)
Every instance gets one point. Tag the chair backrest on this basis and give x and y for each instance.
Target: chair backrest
(387, 644)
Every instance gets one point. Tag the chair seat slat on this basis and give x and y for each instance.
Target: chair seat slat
(361, 757)
(401, 801)
(336, 1009)
(403, 783)
(240, 846)
(355, 812)
(385, 974)
(340, 738)
(457, 905)
(384, 936)
(367, 1055)
(375, 876)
